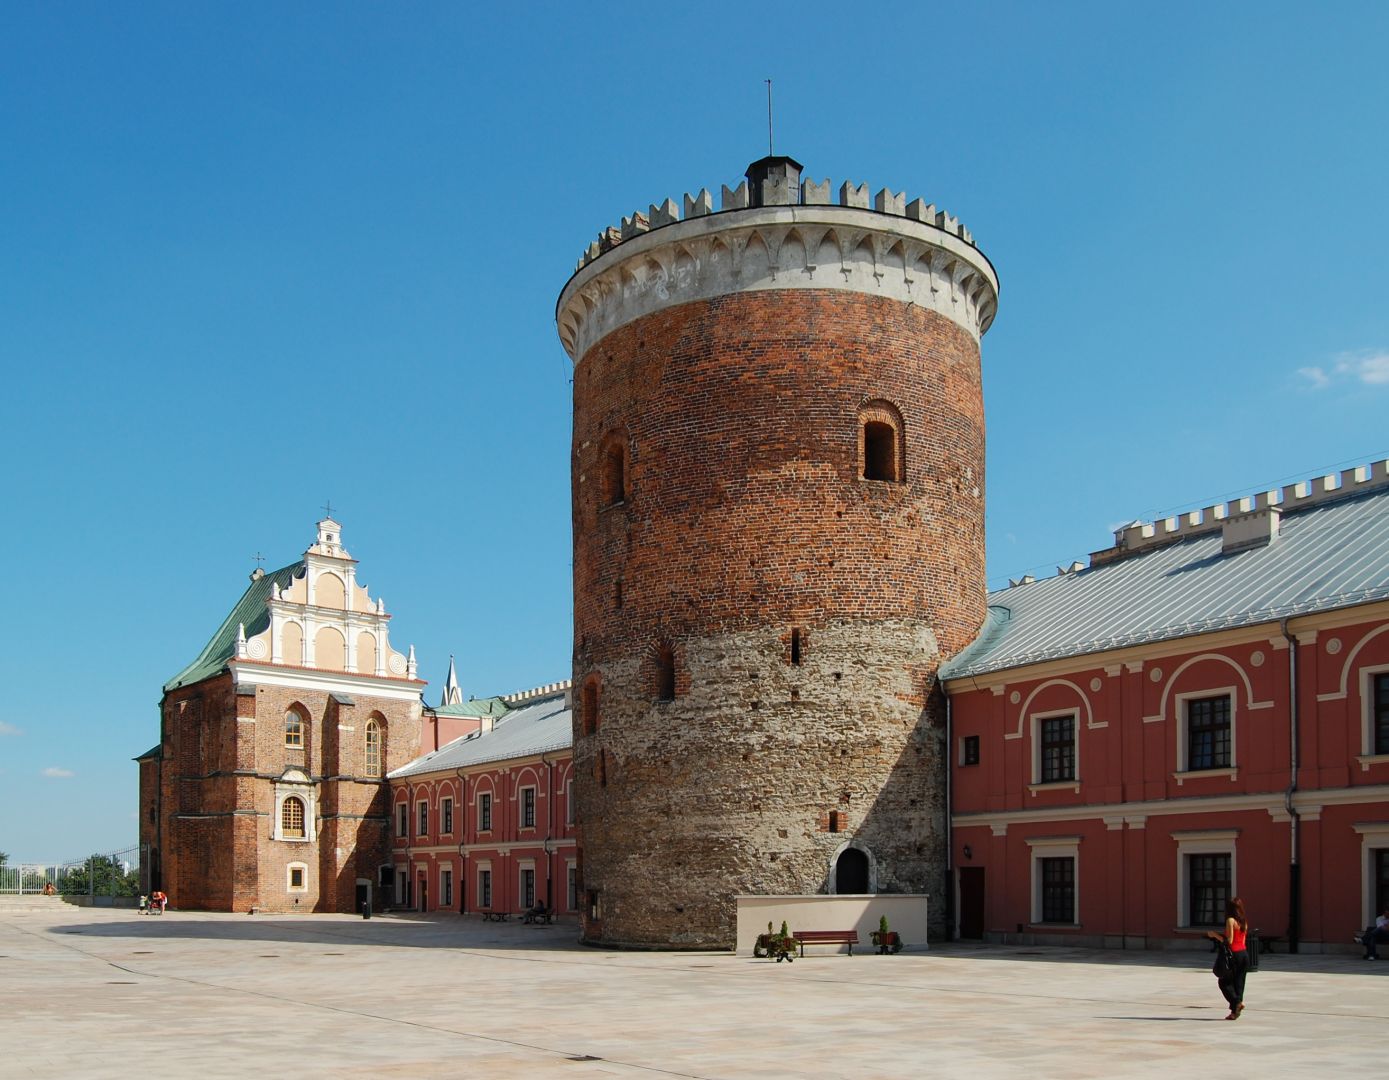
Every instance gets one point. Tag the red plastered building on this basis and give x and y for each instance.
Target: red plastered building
(1201, 712)
(486, 822)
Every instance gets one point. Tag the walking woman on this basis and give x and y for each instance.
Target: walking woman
(1236, 929)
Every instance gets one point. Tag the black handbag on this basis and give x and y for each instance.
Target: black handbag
(1224, 961)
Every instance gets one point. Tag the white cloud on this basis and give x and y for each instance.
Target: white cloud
(1316, 376)
(1369, 367)
(58, 774)
(9, 729)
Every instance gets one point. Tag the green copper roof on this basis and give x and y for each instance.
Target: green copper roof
(251, 611)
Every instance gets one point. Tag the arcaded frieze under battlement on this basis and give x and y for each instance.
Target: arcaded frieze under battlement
(792, 246)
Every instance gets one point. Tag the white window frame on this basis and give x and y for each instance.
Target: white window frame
(484, 799)
(304, 793)
(569, 801)
(960, 756)
(1054, 847)
(1038, 784)
(422, 817)
(1183, 742)
(446, 887)
(446, 816)
(571, 884)
(1374, 836)
(484, 895)
(303, 868)
(534, 806)
(402, 820)
(1204, 842)
(1368, 756)
(522, 867)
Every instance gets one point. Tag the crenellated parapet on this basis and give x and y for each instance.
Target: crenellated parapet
(775, 231)
(1246, 522)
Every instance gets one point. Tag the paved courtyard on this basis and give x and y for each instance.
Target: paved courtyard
(113, 993)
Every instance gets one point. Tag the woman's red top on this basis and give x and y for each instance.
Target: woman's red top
(1237, 937)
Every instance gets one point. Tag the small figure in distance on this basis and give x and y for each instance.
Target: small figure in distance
(49, 889)
(158, 901)
(1376, 935)
(1234, 938)
(537, 913)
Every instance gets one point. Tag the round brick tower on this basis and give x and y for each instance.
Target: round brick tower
(778, 498)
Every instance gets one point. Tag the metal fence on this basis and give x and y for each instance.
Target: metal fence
(107, 875)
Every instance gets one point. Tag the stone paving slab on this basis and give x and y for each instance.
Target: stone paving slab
(97, 992)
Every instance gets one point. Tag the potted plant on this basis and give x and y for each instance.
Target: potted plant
(887, 941)
(781, 945)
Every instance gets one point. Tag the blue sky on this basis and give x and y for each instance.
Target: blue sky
(257, 259)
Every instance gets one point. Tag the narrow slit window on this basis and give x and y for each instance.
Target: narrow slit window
(796, 647)
(614, 475)
(665, 673)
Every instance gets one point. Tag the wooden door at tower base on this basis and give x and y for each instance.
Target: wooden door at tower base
(971, 902)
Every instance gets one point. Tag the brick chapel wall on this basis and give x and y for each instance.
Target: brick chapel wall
(746, 520)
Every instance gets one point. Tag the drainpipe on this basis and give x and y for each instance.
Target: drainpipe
(950, 916)
(462, 842)
(1294, 866)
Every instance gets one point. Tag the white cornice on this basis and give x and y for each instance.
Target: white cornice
(249, 673)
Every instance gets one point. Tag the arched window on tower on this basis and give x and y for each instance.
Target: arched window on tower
(665, 672)
(373, 748)
(292, 818)
(881, 454)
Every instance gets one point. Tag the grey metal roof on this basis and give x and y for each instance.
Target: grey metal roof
(534, 728)
(1328, 556)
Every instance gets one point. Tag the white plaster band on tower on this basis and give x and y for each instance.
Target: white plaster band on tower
(801, 246)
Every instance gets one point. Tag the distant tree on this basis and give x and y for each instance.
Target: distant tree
(101, 875)
(3, 858)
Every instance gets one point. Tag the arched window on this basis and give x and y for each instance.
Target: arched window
(292, 818)
(880, 443)
(665, 672)
(589, 705)
(373, 761)
(294, 729)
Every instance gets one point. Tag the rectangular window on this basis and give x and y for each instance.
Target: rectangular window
(1058, 890)
(1058, 750)
(484, 812)
(969, 750)
(1381, 691)
(528, 808)
(484, 888)
(446, 888)
(296, 877)
(1208, 733)
(572, 890)
(1381, 857)
(446, 812)
(569, 802)
(402, 819)
(424, 820)
(1208, 886)
(528, 888)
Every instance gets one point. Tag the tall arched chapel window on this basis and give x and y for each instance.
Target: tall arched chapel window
(294, 729)
(373, 748)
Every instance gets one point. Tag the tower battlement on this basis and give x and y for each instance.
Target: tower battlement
(778, 233)
(773, 191)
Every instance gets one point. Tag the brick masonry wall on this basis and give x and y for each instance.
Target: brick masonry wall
(223, 753)
(746, 518)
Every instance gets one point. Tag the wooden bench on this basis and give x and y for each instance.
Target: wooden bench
(826, 937)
